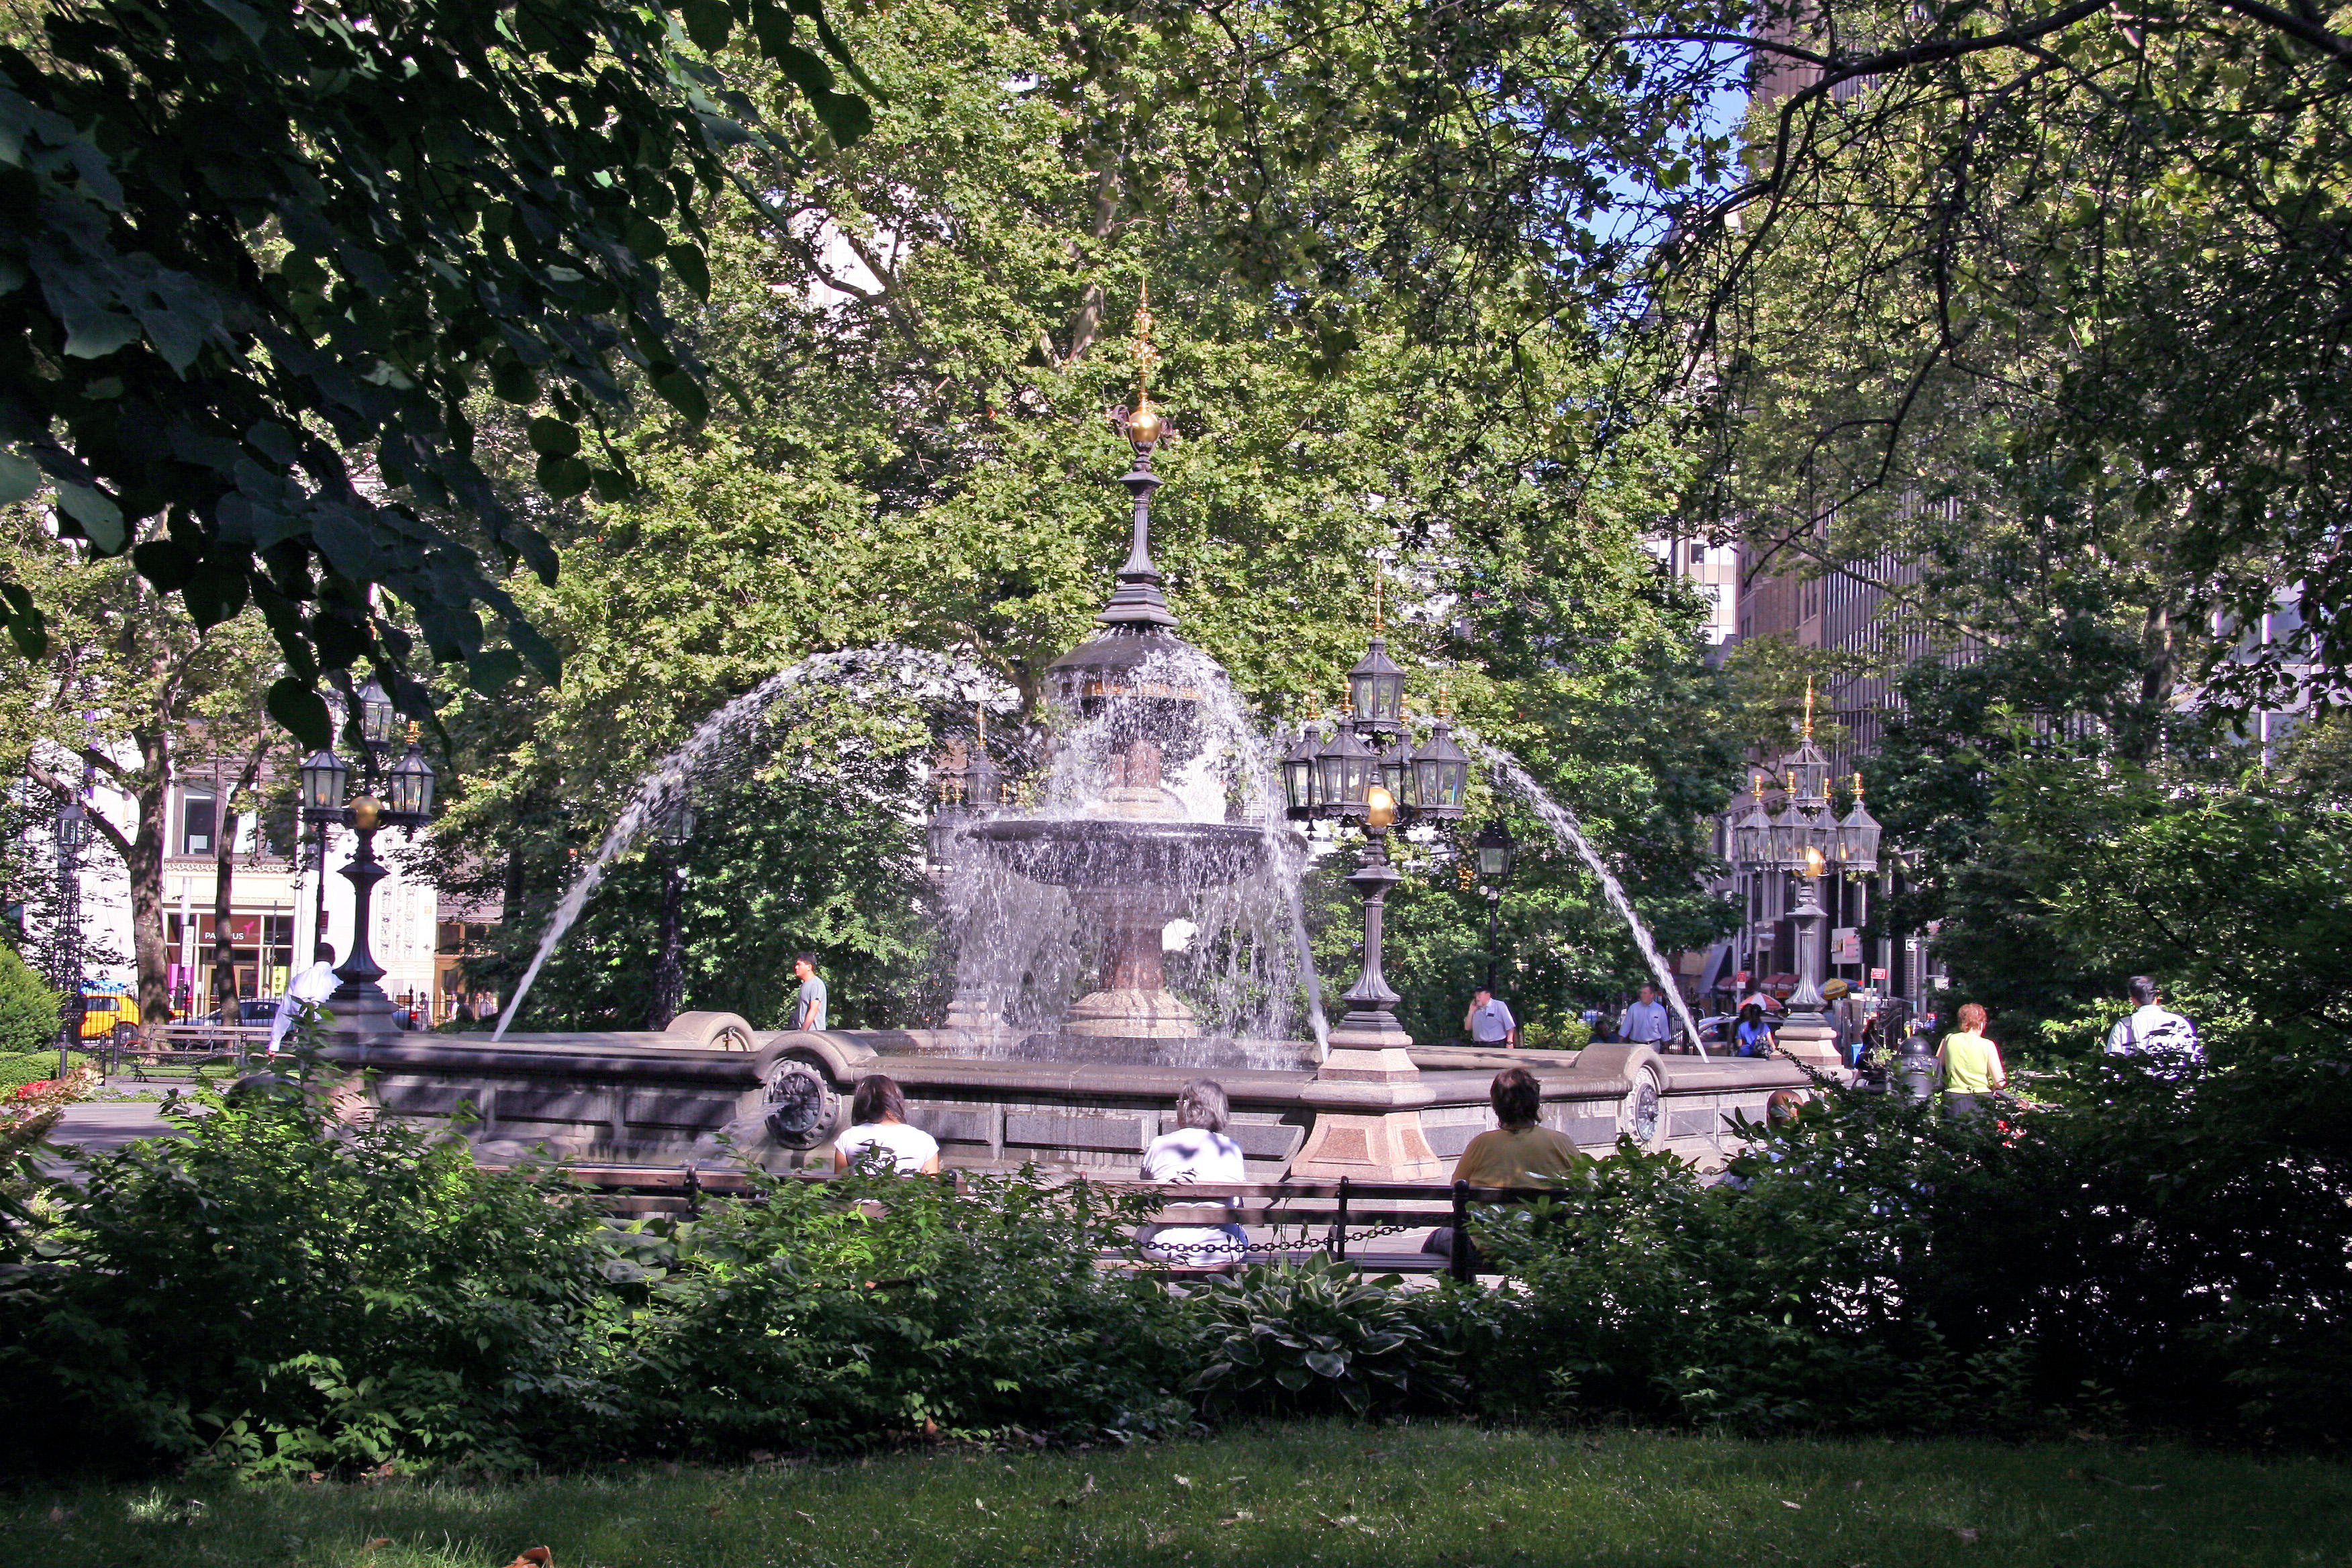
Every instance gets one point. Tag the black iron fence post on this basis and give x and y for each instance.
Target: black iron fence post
(1458, 1257)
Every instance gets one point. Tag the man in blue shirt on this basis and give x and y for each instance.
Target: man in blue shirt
(1489, 1021)
(1645, 1022)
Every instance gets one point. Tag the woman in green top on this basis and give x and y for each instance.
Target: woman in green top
(1970, 1064)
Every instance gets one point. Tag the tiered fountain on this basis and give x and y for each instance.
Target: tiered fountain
(1157, 834)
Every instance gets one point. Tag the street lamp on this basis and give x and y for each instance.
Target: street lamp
(1495, 852)
(673, 833)
(358, 1003)
(1807, 839)
(1348, 782)
(72, 829)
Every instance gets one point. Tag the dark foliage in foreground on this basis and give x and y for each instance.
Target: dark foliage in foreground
(276, 1291)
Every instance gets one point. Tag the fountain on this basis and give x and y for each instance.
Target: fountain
(1131, 919)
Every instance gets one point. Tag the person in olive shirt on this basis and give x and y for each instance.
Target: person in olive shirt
(1521, 1152)
(1970, 1065)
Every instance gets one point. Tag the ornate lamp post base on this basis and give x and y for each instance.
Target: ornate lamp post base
(1807, 1035)
(1367, 1094)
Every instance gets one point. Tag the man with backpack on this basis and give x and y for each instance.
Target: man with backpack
(2151, 1032)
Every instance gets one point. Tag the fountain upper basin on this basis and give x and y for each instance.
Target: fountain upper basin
(1081, 852)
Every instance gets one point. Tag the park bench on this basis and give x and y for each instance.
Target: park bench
(1346, 1220)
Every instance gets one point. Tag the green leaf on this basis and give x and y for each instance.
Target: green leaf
(492, 670)
(97, 515)
(685, 393)
(612, 486)
(301, 713)
(215, 591)
(512, 381)
(553, 438)
(27, 626)
(709, 22)
(19, 480)
(564, 478)
(692, 269)
(165, 563)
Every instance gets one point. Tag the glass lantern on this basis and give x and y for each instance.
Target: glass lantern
(409, 788)
(1376, 688)
(375, 715)
(1397, 773)
(984, 780)
(1441, 774)
(1298, 773)
(1806, 773)
(322, 781)
(1857, 839)
(1345, 768)
(73, 823)
(1495, 852)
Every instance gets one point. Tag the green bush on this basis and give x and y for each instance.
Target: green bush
(824, 1314)
(33, 1067)
(1315, 1337)
(1556, 1034)
(2169, 1247)
(28, 1008)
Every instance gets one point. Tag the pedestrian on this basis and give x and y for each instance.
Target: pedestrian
(1645, 1022)
(1752, 1036)
(1198, 1151)
(808, 1005)
(2149, 1031)
(877, 1115)
(465, 1013)
(1520, 1149)
(1970, 1064)
(305, 995)
(1489, 1021)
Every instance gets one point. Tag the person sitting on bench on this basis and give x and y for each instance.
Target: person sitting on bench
(1519, 1152)
(1198, 1151)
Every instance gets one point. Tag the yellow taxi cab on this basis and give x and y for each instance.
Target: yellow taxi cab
(102, 1012)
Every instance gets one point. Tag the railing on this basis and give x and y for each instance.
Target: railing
(1347, 1212)
(181, 1051)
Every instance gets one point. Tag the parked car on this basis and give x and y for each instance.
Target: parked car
(256, 1011)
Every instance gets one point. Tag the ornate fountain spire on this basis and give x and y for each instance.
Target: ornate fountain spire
(1139, 603)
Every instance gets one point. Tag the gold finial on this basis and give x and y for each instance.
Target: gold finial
(1809, 708)
(1857, 786)
(1444, 701)
(414, 730)
(1146, 356)
(980, 723)
(1347, 706)
(1313, 710)
(1378, 578)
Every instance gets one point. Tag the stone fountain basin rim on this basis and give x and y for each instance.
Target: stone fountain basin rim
(1122, 852)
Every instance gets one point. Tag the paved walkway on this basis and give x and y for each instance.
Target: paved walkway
(102, 1126)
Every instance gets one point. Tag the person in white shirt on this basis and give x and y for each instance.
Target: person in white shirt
(1198, 1151)
(307, 993)
(877, 1114)
(2150, 1031)
(1489, 1021)
(1645, 1022)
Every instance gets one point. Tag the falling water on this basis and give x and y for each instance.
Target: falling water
(924, 675)
(1238, 954)
(1570, 835)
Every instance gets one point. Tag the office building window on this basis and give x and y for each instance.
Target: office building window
(197, 811)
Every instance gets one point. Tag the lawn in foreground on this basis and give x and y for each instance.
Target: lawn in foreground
(1316, 1493)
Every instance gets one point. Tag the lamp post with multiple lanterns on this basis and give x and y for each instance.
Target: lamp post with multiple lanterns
(1366, 773)
(358, 1003)
(1805, 837)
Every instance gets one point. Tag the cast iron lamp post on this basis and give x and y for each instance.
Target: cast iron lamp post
(1366, 773)
(72, 827)
(1495, 852)
(358, 1003)
(675, 832)
(1805, 837)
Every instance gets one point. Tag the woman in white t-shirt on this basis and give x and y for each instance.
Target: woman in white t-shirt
(1198, 1151)
(878, 1113)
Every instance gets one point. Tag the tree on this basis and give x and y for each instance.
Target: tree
(928, 329)
(255, 260)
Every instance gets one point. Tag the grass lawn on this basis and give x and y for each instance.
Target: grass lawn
(1325, 1494)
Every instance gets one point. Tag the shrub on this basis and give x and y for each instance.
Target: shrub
(30, 1009)
(281, 1292)
(822, 1314)
(33, 1066)
(1314, 1337)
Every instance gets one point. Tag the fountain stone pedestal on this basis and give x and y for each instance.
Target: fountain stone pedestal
(1368, 1093)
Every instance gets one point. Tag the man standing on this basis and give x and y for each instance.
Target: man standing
(1489, 1022)
(1645, 1022)
(2150, 1031)
(808, 1007)
(307, 992)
